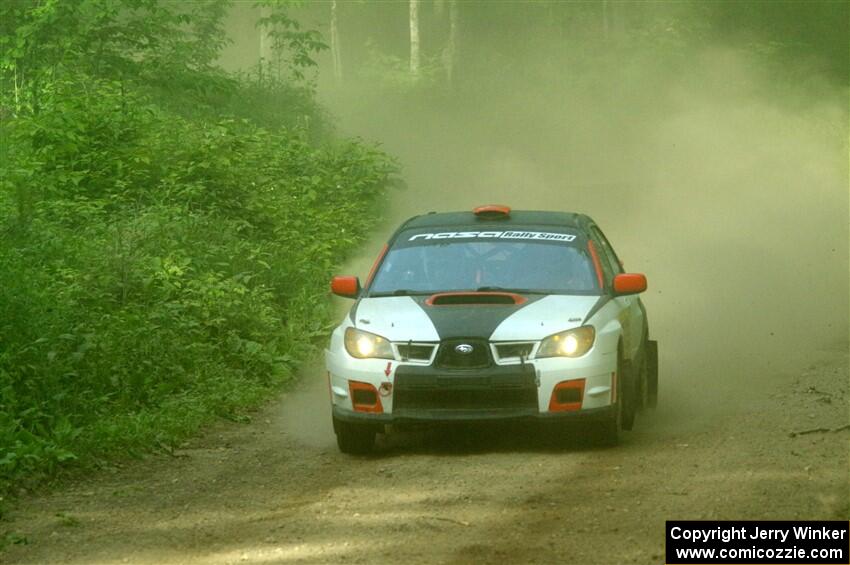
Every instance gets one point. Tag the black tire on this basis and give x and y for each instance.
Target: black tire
(607, 432)
(354, 439)
(651, 354)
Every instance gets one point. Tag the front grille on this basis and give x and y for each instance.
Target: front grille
(431, 390)
(495, 399)
(568, 395)
(415, 351)
(463, 354)
(513, 351)
(360, 396)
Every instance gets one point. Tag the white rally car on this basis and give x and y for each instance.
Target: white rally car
(492, 314)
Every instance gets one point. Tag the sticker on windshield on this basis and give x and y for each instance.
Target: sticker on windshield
(538, 235)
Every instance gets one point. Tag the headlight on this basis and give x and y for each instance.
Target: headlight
(365, 345)
(571, 343)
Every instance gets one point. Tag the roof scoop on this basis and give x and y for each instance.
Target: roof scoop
(492, 212)
(475, 299)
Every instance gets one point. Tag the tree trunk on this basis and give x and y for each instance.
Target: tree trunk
(450, 52)
(265, 44)
(335, 49)
(414, 37)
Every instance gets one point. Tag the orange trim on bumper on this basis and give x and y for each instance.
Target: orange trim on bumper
(573, 385)
(375, 407)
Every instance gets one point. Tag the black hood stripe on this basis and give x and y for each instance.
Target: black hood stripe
(597, 306)
(473, 321)
(352, 314)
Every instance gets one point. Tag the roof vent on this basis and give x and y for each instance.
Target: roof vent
(492, 212)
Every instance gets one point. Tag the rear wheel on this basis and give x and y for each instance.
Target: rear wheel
(356, 439)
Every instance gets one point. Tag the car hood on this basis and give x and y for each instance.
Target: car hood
(403, 318)
(551, 314)
(397, 318)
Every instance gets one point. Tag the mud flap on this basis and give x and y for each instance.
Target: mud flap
(629, 390)
(652, 373)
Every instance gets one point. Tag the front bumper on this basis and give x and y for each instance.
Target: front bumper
(526, 390)
(424, 416)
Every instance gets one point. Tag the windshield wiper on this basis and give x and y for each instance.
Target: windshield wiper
(399, 292)
(505, 289)
(408, 292)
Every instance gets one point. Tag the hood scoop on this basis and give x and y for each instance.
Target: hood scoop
(475, 299)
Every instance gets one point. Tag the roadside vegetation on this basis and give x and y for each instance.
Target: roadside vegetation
(168, 229)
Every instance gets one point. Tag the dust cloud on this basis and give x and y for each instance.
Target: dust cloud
(733, 199)
(723, 178)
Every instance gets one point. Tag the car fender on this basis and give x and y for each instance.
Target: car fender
(609, 329)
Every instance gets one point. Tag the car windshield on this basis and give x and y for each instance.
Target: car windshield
(427, 266)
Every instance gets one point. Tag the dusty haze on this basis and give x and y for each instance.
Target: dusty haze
(732, 200)
(721, 175)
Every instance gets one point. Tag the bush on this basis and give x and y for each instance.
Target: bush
(158, 269)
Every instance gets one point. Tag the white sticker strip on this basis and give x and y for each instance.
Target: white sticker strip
(538, 235)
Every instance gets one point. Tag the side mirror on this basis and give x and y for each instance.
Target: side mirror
(629, 283)
(348, 287)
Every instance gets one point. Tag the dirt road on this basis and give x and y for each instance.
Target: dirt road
(277, 491)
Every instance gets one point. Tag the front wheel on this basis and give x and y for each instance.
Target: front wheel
(354, 439)
(607, 432)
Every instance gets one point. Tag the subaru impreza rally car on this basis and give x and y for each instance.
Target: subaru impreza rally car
(492, 314)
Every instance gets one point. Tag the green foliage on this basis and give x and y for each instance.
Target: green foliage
(392, 74)
(160, 264)
(293, 47)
